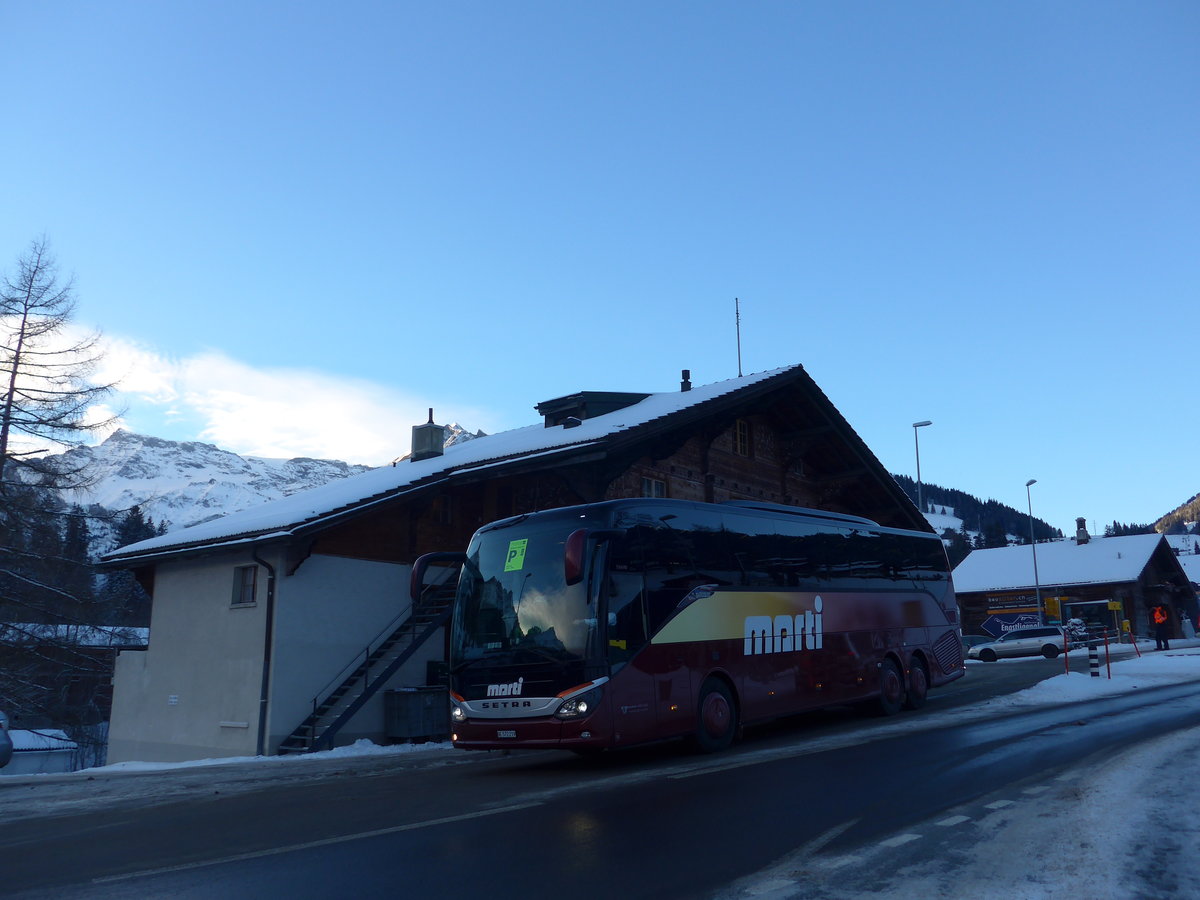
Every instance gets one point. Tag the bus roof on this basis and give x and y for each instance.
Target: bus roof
(609, 507)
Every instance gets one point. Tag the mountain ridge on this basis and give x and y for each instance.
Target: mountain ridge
(181, 483)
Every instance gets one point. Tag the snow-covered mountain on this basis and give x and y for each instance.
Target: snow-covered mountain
(182, 483)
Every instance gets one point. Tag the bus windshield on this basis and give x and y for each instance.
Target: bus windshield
(514, 604)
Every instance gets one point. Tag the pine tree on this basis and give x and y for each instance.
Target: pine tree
(125, 602)
(994, 535)
(957, 546)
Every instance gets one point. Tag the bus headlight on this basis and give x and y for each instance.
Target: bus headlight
(457, 713)
(580, 705)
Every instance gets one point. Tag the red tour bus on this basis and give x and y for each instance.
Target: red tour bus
(629, 621)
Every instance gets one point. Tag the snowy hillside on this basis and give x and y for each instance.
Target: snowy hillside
(184, 483)
(944, 518)
(1187, 548)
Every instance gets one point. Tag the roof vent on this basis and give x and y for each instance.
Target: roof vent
(428, 440)
(585, 405)
(572, 422)
(686, 383)
(1081, 533)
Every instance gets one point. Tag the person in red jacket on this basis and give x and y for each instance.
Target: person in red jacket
(1162, 628)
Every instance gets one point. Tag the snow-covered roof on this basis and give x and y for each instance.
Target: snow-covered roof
(1107, 560)
(41, 739)
(280, 517)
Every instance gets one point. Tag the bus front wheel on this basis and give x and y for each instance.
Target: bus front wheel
(716, 716)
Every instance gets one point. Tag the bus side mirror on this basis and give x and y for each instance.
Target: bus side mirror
(576, 548)
(416, 582)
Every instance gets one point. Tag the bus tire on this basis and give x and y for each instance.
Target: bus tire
(716, 716)
(918, 685)
(891, 689)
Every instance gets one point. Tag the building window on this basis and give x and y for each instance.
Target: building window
(443, 511)
(743, 444)
(245, 581)
(654, 487)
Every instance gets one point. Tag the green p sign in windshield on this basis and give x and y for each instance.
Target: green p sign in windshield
(515, 560)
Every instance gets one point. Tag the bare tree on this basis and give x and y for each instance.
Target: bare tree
(54, 674)
(47, 394)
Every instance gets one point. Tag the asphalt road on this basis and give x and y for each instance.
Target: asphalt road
(648, 823)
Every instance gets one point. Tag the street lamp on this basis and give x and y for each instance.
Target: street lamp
(1033, 546)
(917, 443)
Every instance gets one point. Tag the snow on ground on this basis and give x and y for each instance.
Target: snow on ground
(1127, 830)
(1120, 830)
(1129, 673)
(357, 749)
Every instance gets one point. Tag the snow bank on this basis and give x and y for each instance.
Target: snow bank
(361, 747)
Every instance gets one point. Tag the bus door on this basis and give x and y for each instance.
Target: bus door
(632, 686)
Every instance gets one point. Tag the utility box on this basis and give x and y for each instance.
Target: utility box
(437, 672)
(417, 714)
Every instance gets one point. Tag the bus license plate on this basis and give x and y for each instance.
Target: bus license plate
(506, 733)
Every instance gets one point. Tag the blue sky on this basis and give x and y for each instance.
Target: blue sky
(299, 225)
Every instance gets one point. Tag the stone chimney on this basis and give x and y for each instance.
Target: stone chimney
(1081, 533)
(428, 440)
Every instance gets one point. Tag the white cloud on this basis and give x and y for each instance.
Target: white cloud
(269, 412)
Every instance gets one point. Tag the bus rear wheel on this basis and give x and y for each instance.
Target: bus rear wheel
(918, 686)
(716, 716)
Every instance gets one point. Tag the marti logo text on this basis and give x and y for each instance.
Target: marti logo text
(506, 690)
(785, 634)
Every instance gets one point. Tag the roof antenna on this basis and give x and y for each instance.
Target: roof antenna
(737, 318)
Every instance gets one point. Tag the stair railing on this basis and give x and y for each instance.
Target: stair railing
(364, 656)
(325, 740)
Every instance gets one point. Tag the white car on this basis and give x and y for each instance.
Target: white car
(1047, 641)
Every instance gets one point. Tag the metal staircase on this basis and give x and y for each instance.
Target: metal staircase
(369, 671)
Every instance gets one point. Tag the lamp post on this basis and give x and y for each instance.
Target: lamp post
(1033, 546)
(917, 443)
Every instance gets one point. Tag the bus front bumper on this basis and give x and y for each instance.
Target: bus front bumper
(546, 733)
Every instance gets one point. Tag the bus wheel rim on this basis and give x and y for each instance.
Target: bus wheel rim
(716, 713)
(892, 688)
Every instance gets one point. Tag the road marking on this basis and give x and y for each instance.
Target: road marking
(1040, 789)
(821, 840)
(900, 840)
(952, 821)
(324, 842)
(998, 804)
(738, 764)
(843, 861)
